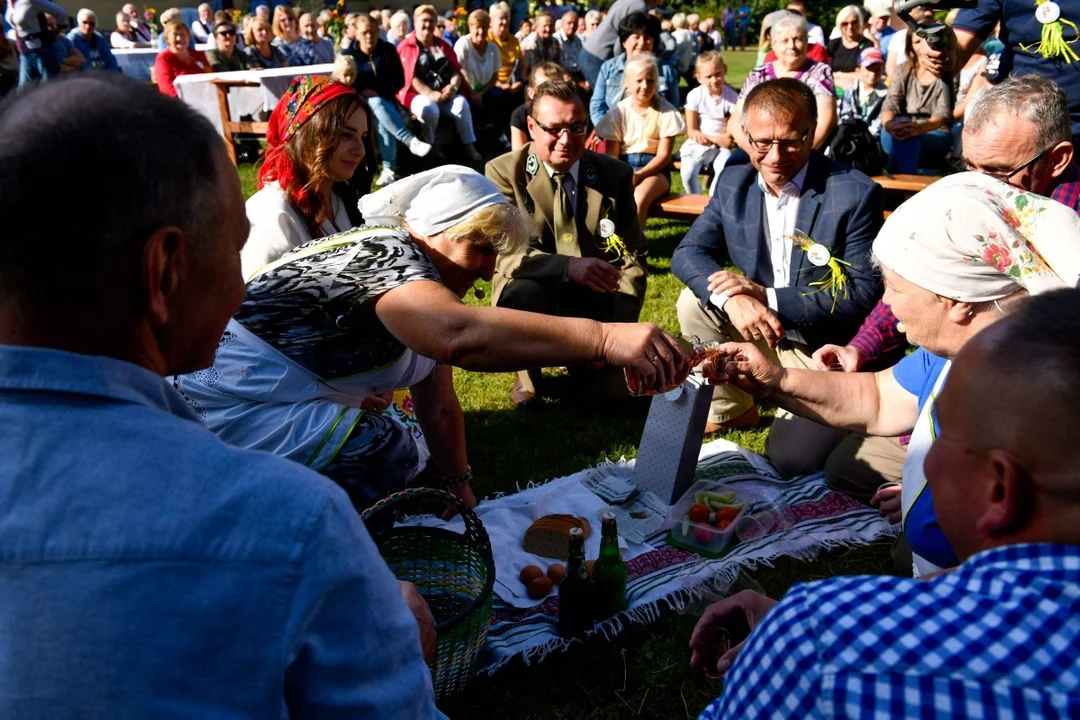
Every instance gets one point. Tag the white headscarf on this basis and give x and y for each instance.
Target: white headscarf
(973, 238)
(431, 201)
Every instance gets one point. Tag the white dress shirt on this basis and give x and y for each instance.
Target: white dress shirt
(781, 214)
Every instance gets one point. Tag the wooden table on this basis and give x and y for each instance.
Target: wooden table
(229, 127)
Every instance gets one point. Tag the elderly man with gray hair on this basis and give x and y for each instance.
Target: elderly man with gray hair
(203, 28)
(1019, 132)
(150, 569)
(93, 46)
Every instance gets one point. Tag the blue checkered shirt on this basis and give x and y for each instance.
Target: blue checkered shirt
(997, 638)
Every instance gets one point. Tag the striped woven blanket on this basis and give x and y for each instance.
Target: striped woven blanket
(819, 519)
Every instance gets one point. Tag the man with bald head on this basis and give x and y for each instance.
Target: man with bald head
(149, 569)
(997, 636)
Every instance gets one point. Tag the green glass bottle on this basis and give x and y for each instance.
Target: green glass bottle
(609, 572)
(575, 592)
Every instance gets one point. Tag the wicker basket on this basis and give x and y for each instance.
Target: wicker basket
(454, 572)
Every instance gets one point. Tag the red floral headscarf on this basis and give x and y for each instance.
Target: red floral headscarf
(305, 97)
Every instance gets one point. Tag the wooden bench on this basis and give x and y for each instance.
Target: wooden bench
(679, 207)
(905, 183)
(689, 207)
(229, 128)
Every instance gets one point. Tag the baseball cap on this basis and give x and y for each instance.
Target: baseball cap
(871, 56)
(882, 8)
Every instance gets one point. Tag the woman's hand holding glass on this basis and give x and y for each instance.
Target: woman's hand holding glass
(644, 347)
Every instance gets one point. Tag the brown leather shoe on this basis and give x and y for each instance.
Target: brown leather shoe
(747, 419)
(521, 396)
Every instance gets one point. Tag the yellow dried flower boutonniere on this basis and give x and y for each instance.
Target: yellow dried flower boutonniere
(1053, 43)
(612, 242)
(834, 281)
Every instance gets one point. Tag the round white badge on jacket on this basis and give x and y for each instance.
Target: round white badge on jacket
(606, 228)
(1048, 12)
(818, 254)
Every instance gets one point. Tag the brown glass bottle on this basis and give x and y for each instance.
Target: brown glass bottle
(694, 354)
(575, 592)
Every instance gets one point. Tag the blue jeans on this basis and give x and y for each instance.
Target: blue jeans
(389, 128)
(921, 151)
(36, 65)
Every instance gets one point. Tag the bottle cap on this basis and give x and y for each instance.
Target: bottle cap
(608, 516)
(575, 532)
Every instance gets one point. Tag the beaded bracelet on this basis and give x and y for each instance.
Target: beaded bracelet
(459, 480)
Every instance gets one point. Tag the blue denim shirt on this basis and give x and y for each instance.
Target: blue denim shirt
(609, 87)
(148, 570)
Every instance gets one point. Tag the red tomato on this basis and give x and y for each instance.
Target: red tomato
(698, 514)
(725, 512)
(704, 535)
(723, 524)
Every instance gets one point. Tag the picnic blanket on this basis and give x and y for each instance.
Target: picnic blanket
(816, 518)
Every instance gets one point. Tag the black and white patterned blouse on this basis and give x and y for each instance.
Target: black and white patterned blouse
(316, 304)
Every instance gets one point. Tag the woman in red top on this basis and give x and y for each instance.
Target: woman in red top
(176, 59)
(434, 84)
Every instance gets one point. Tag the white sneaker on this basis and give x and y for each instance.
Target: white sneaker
(418, 147)
(386, 176)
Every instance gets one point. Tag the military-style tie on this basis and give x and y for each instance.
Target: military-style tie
(565, 227)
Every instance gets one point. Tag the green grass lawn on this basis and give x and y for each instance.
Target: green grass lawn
(644, 671)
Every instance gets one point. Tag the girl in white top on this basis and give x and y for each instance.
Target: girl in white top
(708, 107)
(320, 135)
(641, 130)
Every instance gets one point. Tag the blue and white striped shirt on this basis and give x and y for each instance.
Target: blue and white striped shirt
(997, 638)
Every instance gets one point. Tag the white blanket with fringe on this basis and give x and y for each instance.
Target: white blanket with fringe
(656, 572)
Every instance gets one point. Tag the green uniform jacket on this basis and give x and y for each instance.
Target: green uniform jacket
(605, 190)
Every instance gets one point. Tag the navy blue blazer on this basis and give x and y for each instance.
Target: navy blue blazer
(839, 208)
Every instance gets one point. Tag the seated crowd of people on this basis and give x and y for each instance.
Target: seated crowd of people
(202, 392)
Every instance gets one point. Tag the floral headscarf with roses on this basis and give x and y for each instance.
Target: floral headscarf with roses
(973, 238)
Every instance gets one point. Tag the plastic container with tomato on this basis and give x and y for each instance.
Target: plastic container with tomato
(708, 527)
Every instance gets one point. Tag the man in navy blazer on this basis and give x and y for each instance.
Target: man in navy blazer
(749, 222)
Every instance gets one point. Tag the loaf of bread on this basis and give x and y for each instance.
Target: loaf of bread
(550, 535)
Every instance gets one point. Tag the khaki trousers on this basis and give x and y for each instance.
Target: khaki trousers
(855, 464)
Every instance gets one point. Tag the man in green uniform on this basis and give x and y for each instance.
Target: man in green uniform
(586, 256)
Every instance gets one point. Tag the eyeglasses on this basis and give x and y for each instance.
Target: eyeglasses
(1003, 176)
(226, 33)
(576, 129)
(784, 146)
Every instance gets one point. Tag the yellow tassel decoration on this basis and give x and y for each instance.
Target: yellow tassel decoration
(1053, 42)
(834, 281)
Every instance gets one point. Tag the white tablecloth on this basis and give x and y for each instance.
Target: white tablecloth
(199, 92)
(136, 62)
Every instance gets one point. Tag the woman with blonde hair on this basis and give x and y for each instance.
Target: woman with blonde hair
(287, 37)
(379, 308)
(379, 77)
(177, 58)
(846, 49)
(512, 69)
(434, 85)
(261, 52)
(641, 130)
